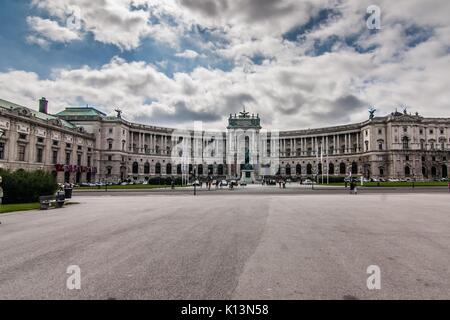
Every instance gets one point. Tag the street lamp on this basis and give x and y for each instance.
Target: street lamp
(195, 181)
(2, 132)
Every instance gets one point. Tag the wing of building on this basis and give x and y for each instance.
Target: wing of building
(86, 145)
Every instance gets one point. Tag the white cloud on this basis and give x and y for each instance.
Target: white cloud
(287, 87)
(31, 39)
(51, 30)
(188, 54)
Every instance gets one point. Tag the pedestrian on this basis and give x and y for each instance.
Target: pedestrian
(355, 189)
(352, 187)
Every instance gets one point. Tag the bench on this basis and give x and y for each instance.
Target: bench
(46, 201)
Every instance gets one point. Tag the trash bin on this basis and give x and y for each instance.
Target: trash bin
(60, 198)
(68, 193)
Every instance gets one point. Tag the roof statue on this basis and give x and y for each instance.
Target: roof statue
(372, 111)
(244, 114)
(119, 113)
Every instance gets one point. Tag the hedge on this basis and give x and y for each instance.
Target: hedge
(26, 186)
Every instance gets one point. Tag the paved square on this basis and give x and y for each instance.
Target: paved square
(158, 246)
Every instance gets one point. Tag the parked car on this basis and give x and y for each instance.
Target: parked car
(307, 182)
(242, 183)
(223, 183)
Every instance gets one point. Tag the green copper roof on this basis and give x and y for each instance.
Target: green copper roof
(81, 111)
(10, 106)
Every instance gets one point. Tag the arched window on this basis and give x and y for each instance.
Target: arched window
(424, 171)
(381, 171)
(309, 169)
(168, 168)
(210, 169)
(191, 169)
(407, 171)
(444, 171)
(288, 170)
(220, 169)
(200, 169)
(147, 168)
(434, 171)
(135, 168)
(298, 169)
(158, 168)
(319, 168)
(179, 169)
(405, 142)
(342, 168)
(354, 168)
(331, 168)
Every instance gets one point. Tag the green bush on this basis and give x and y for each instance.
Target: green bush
(27, 186)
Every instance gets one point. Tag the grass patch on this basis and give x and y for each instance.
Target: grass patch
(4, 208)
(130, 186)
(399, 184)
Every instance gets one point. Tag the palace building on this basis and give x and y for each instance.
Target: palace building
(83, 144)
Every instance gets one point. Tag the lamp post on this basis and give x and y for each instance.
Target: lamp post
(2, 132)
(195, 181)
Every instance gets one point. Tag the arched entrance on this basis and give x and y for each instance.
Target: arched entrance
(331, 168)
(135, 168)
(354, 168)
(444, 171)
(407, 171)
(342, 169)
(288, 170)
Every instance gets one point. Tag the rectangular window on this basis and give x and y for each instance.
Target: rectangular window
(21, 153)
(67, 158)
(55, 143)
(110, 130)
(79, 160)
(89, 161)
(40, 140)
(22, 136)
(39, 155)
(55, 157)
(2, 150)
(109, 158)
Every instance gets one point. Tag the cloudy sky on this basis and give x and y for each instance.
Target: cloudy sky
(299, 64)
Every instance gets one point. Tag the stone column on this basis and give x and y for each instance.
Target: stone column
(357, 142)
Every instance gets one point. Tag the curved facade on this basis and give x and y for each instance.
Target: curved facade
(399, 145)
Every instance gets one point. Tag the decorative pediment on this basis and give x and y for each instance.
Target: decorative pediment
(23, 111)
(56, 122)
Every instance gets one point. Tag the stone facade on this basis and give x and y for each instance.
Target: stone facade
(34, 140)
(399, 145)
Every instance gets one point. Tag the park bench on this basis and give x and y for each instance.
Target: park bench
(46, 201)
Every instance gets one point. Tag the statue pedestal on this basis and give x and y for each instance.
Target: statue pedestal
(248, 176)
